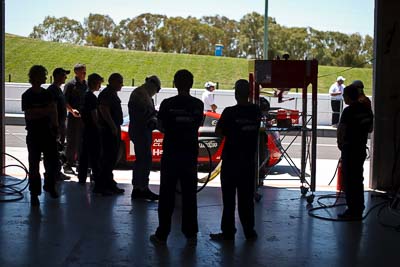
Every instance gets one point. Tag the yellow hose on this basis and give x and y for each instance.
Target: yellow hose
(213, 174)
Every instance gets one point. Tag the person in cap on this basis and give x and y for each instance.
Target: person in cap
(352, 135)
(142, 122)
(179, 119)
(239, 125)
(41, 124)
(208, 97)
(90, 147)
(59, 77)
(110, 121)
(336, 91)
(74, 91)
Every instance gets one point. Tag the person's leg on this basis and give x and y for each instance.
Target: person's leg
(50, 156)
(34, 153)
(166, 202)
(70, 149)
(353, 174)
(335, 111)
(110, 146)
(246, 200)
(142, 140)
(84, 157)
(228, 188)
(188, 179)
(105, 166)
(94, 159)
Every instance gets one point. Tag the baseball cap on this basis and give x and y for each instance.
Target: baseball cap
(60, 71)
(209, 84)
(155, 80)
(340, 78)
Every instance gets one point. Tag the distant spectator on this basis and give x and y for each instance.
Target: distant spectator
(336, 92)
(208, 97)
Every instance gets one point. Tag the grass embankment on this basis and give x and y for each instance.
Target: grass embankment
(22, 53)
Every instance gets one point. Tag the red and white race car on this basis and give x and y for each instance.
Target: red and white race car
(206, 132)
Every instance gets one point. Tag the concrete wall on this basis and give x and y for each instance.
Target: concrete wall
(223, 99)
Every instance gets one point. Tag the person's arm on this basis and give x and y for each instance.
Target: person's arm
(106, 115)
(73, 111)
(52, 108)
(219, 129)
(341, 129)
(333, 91)
(67, 93)
(161, 117)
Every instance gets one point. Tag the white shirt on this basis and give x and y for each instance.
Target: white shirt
(336, 88)
(208, 99)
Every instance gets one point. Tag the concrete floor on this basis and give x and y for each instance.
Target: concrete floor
(80, 229)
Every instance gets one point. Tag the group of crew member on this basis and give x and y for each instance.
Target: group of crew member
(91, 128)
(98, 122)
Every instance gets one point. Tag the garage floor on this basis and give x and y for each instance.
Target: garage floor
(80, 229)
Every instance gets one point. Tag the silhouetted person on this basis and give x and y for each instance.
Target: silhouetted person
(239, 125)
(179, 118)
(352, 136)
(336, 91)
(74, 92)
(41, 125)
(59, 76)
(110, 120)
(90, 147)
(142, 122)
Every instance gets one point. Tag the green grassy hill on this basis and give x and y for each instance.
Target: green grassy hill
(22, 53)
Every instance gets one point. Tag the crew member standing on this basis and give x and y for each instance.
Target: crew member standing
(41, 124)
(74, 92)
(179, 118)
(59, 76)
(336, 91)
(208, 97)
(142, 122)
(90, 147)
(239, 125)
(352, 136)
(110, 120)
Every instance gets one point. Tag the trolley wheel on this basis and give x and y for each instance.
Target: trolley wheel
(310, 199)
(257, 197)
(303, 190)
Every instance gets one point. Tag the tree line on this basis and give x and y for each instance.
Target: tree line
(191, 35)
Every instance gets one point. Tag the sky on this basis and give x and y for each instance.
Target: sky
(346, 16)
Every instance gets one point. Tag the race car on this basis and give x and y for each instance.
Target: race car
(207, 134)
